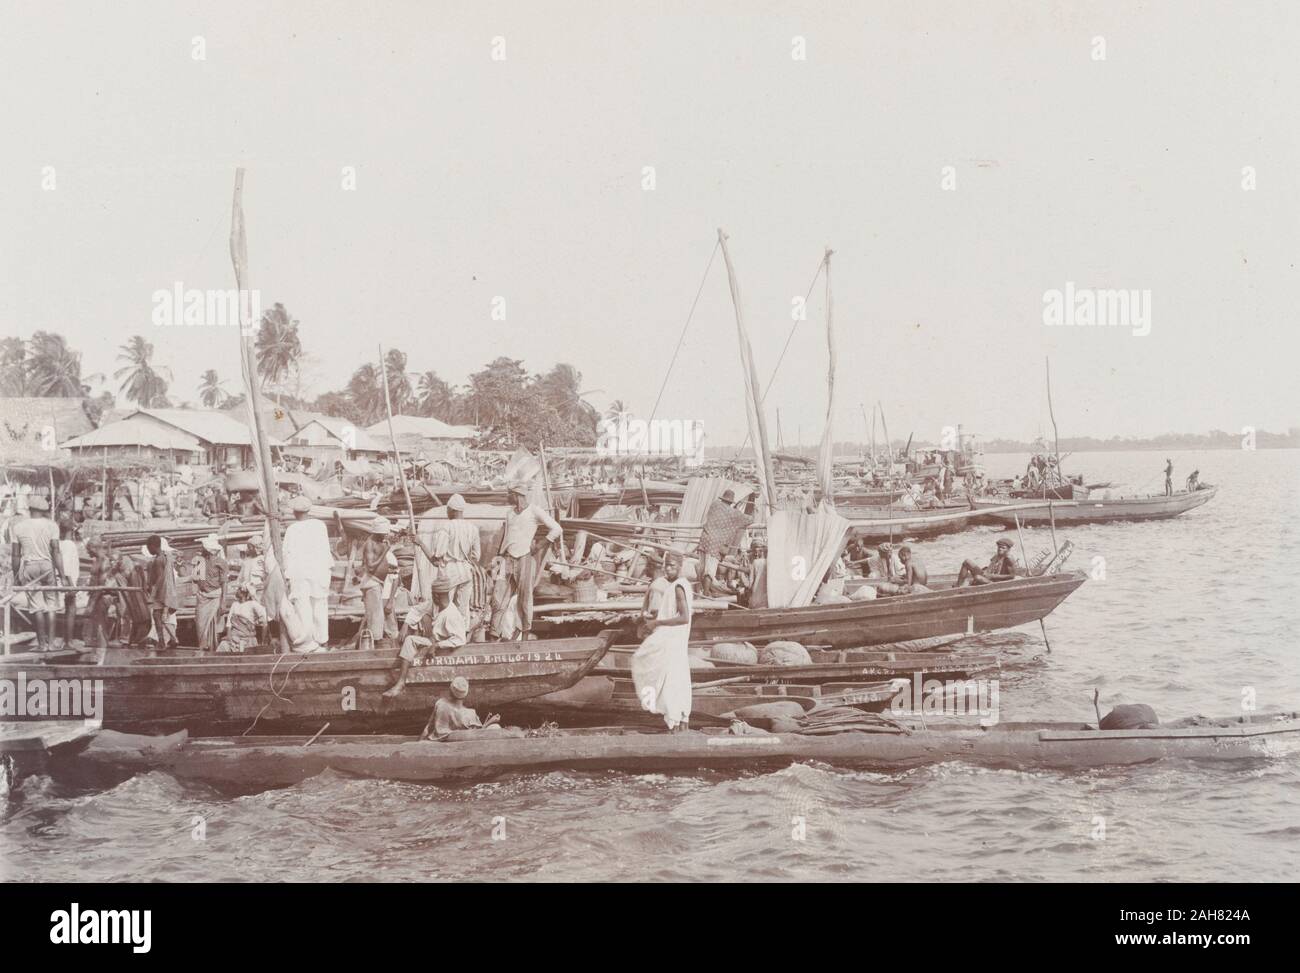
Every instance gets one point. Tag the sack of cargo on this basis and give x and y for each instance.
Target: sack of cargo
(784, 654)
(1130, 716)
(295, 629)
(778, 708)
(738, 652)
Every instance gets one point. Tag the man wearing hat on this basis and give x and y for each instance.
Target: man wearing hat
(210, 573)
(252, 567)
(307, 563)
(375, 566)
(450, 712)
(161, 591)
(38, 560)
(452, 551)
(523, 553)
(1003, 567)
(723, 526)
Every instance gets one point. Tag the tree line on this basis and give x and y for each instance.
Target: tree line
(508, 404)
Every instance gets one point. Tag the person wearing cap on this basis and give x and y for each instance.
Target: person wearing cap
(161, 591)
(661, 667)
(375, 566)
(1169, 477)
(38, 560)
(210, 575)
(252, 567)
(424, 630)
(1002, 567)
(450, 712)
(245, 623)
(723, 526)
(523, 553)
(452, 550)
(306, 569)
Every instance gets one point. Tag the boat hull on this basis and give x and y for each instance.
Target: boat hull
(301, 693)
(250, 764)
(1106, 511)
(945, 612)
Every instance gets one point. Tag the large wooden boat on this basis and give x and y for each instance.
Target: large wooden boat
(1103, 511)
(936, 613)
(250, 764)
(301, 693)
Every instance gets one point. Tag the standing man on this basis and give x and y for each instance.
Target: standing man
(101, 576)
(374, 572)
(523, 553)
(661, 667)
(161, 590)
(723, 525)
(307, 563)
(210, 593)
(455, 549)
(1169, 477)
(37, 560)
(252, 567)
(70, 556)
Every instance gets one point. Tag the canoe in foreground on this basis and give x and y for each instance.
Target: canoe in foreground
(301, 693)
(28, 746)
(903, 618)
(1091, 511)
(250, 763)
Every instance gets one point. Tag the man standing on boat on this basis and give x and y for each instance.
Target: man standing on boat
(661, 667)
(1169, 477)
(1003, 567)
(452, 553)
(373, 578)
(307, 563)
(723, 525)
(38, 560)
(523, 553)
(210, 593)
(161, 589)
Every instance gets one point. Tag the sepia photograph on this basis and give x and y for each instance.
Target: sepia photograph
(729, 442)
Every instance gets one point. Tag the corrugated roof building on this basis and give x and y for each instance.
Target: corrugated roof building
(181, 435)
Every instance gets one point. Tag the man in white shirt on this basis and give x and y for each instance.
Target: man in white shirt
(307, 563)
(523, 553)
(37, 560)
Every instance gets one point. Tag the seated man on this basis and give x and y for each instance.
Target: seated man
(245, 623)
(1002, 567)
(446, 630)
(450, 714)
(912, 581)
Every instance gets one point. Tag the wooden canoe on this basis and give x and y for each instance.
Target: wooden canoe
(941, 612)
(249, 763)
(29, 747)
(301, 693)
(1098, 511)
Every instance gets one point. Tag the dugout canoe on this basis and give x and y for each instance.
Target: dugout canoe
(901, 618)
(213, 694)
(1103, 511)
(250, 764)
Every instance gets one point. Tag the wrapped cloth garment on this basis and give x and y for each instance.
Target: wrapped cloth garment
(661, 669)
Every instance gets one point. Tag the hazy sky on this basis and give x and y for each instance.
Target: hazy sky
(523, 178)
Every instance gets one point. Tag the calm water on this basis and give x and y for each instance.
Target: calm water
(1190, 613)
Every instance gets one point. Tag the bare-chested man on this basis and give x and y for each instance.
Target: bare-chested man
(1003, 567)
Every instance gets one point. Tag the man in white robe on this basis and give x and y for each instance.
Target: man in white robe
(661, 667)
(307, 563)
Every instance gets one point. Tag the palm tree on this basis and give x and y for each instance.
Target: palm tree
(278, 346)
(616, 408)
(399, 384)
(13, 366)
(434, 396)
(211, 394)
(366, 390)
(142, 383)
(53, 368)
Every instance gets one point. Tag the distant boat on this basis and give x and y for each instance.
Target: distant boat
(1094, 511)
